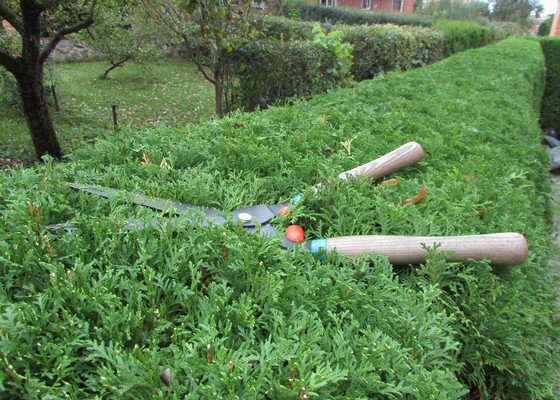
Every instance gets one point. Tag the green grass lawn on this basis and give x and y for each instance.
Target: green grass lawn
(171, 93)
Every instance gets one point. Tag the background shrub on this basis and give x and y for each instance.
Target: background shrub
(429, 48)
(550, 109)
(453, 9)
(463, 35)
(502, 29)
(377, 48)
(545, 26)
(269, 71)
(281, 28)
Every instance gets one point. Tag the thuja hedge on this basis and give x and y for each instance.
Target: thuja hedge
(385, 48)
(377, 48)
(550, 110)
(463, 35)
(317, 12)
(382, 48)
(272, 71)
(219, 312)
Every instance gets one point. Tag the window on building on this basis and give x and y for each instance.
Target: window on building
(397, 4)
(366, 4)
(328, 3)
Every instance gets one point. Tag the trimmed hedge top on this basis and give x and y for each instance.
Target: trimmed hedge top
(104, 312)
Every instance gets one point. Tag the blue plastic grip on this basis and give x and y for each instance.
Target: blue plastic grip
(318, 244)
(296, 198)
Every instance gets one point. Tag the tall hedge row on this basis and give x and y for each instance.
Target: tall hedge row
(463, 35)
(215, 312)
(385, 48)
(272, 71)
(377, 48)
(424, 48)
(550, 109)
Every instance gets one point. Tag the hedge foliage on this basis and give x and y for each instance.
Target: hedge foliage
(385, 48)
(463, 35)
(376, 48)
(104, 312)
(550, 110)
(272, 71)
(315, 12)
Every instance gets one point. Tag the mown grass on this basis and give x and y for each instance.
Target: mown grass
(104, 312)
(169, 93)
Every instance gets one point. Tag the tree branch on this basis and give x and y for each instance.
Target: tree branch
(11, 17)
(9, 62)
(203, 72)
(67, 31)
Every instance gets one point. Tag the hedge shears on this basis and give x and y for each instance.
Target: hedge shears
(499, 248)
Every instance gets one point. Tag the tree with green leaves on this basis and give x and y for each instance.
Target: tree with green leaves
(455, 9)
(24, 56)
(515, 10)
(208, 31)
(545, 26)
(120, 35)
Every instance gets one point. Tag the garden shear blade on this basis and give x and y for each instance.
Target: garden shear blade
(252, 218)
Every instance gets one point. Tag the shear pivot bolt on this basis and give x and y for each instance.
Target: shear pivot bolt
(245, 217)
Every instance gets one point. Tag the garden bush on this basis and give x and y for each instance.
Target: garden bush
(550, 109)
(501, 29)
(281, 28)
(463, 35)
(377, 48)
(385, 48)
(272, 71)
(105, 312)
(315, 12)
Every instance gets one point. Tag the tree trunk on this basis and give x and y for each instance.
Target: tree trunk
(114, 65)
(218, 96)
(37, 114)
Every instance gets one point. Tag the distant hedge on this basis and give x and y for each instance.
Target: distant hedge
(550, 108)
(463, 35)
(377, 48)
(316, 12)
(272, 71)
(385, 48)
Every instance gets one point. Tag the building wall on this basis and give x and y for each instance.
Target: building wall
(555, 30)
(6, 25)
(376, 5)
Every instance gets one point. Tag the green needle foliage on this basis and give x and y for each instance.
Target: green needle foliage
(177, 311)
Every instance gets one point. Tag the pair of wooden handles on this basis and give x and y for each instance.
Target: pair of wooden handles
(499, 248)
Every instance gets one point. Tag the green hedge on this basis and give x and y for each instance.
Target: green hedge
(315, 12)
(385, 48)
(463, 35)
(280, 28)
(103, 312)
(269, 72)
(550, 109)
(377, 48)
